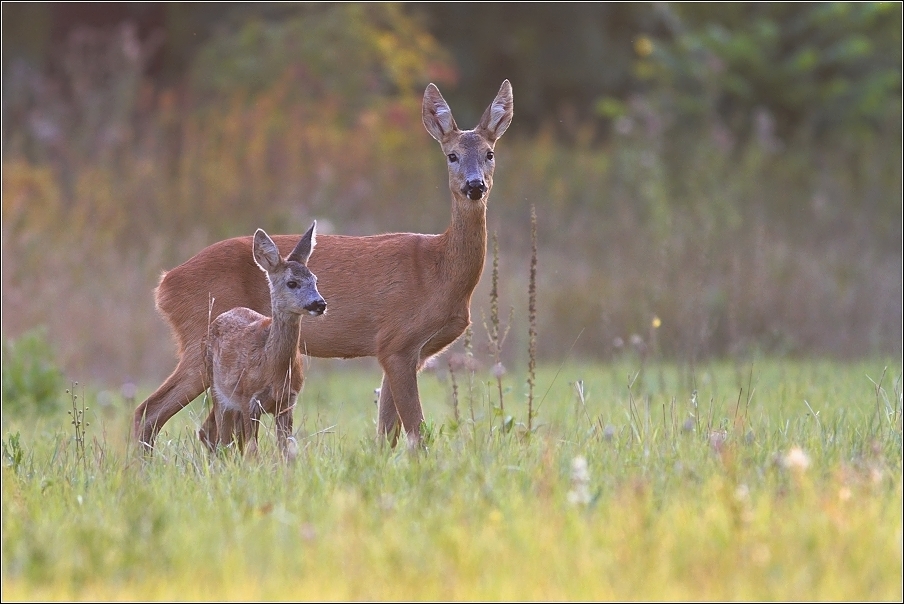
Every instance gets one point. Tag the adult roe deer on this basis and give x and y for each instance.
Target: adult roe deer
(254, 363)
(402, 297)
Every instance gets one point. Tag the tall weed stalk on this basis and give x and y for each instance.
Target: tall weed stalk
(497, 334)
(532, 320)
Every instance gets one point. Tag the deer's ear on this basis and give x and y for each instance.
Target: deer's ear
(498, 115)
(266, 254)
(436, 114)
(302, 251)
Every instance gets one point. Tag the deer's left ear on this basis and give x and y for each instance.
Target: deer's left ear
(304, 249)
(498, 115)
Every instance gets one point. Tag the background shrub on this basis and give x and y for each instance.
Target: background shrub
(32, 380)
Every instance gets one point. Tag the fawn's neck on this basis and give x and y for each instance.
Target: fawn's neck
(282, 341)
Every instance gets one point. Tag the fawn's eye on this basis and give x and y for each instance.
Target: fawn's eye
(490, 155)
(453, 158)
(292, 284)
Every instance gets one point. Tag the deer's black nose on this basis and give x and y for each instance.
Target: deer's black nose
(317, 307)
(475, 189)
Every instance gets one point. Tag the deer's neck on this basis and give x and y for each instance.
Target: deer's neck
(282, 341)
(465, 244)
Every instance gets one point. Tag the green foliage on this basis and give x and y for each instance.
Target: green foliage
(32, 380)
(13, 454)
(348, 54)
(563, 58)
(819, 69)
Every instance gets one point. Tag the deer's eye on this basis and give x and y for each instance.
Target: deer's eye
(490, 155)
(453, 158)
(292, 284)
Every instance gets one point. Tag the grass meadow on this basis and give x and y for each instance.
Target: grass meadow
(770, 479)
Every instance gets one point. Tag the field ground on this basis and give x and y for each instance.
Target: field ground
(766, 480)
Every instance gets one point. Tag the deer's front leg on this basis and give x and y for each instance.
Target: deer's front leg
(387, 416)
(400, 372)
(284, 426)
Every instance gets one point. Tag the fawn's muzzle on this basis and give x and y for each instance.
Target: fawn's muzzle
(317, 307)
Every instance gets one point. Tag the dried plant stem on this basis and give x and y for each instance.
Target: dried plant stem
(469, 366)
(532, 320)
(79, 425)
(495, 344)
(454, 392)
(495, 333)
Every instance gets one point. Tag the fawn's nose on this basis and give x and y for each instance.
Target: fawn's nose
(475, 189)
(317, 307)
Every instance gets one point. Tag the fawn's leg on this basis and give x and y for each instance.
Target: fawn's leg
(250, 422)
(284, 425)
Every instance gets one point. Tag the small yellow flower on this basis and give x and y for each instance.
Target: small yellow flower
(761, 554)
(643, 46)
(656, 322)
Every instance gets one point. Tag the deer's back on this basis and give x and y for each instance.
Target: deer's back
(370, 284)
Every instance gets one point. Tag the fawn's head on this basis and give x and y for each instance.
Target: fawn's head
(469, 153)
(293, 287)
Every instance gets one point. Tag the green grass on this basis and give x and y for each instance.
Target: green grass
(783, 483)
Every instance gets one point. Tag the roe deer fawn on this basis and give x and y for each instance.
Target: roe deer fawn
(402, 297)
(254, 364)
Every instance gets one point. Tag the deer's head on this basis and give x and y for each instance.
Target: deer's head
(469, 153)
(293, 287)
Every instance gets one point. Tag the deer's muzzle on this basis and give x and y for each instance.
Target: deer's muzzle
(475, 189)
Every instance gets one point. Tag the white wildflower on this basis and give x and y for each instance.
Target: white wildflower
(291, 449)
(580, 482)
(797, 460)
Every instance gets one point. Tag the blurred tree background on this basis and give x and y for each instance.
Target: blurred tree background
(710, 180)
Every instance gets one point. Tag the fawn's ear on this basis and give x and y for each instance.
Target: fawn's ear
(498, 115)
(302, 251)
(436, 114)
(266, 254)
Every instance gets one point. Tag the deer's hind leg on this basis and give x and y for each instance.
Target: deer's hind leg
(251, 419)
(208, 431)
(207, 434)
(184, 385)
(229, 425)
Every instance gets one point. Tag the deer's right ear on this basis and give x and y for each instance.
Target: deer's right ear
(498, 115)
(436, 114)
(266, 254)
